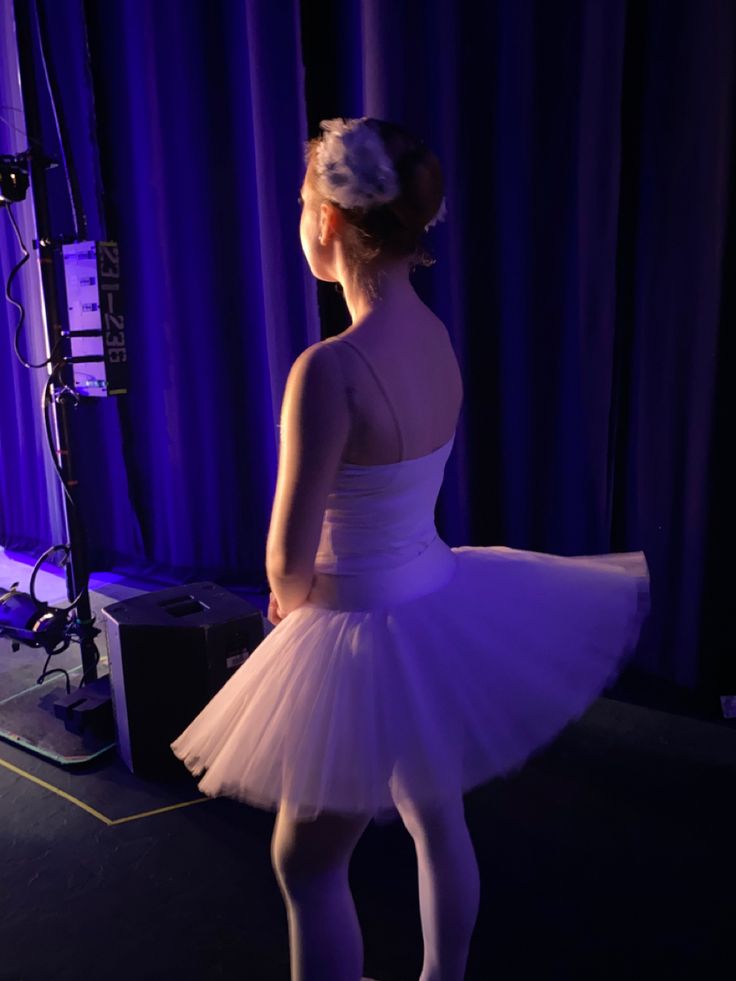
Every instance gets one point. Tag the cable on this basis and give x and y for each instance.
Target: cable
(37, 566)
(29, 364)
(75, 199)
(45, 674)
(97, 661)
(13, 126)
(41, 364)
(36, 569)
(30, 139)
(45, 400)
(15, 303)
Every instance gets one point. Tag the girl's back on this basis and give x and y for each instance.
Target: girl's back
(418, 388)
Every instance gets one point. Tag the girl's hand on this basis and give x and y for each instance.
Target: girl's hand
(274, 614)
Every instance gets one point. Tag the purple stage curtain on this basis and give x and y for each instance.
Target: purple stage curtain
(582, 272)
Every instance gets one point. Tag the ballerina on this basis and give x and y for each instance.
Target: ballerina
(401, 672)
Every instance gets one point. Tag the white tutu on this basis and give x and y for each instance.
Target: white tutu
(414, 670)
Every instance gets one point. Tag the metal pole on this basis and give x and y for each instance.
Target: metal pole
(77, 571)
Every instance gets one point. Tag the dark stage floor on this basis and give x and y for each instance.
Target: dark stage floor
(610, 855)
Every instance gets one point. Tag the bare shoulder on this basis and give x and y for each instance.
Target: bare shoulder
(314, 374)
(315, 358)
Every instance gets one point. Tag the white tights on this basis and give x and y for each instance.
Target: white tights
(311, 863)
(449, 887)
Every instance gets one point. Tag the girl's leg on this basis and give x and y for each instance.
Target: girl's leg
(311, 859)
(449, 885)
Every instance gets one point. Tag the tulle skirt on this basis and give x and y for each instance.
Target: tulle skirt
(353, 711)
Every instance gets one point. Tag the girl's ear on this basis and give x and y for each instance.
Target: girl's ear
(329, 221)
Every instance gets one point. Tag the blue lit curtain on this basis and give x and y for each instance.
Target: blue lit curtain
(582, 273)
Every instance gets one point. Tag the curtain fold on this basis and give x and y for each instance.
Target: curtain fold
(201, 121)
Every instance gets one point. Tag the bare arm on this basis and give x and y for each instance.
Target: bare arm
(314, 429)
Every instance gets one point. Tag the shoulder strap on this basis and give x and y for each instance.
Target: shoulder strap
(372, 370)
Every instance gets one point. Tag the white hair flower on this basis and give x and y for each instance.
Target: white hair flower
(353, 164)
(355, 169)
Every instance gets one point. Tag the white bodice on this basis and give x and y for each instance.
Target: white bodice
(379, 543)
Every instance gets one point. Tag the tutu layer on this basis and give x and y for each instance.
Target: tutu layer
(356, 710)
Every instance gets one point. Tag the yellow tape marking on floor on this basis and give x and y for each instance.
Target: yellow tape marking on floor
(90, 810)
(160, 810)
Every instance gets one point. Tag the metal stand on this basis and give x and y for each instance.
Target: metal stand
(86, 713)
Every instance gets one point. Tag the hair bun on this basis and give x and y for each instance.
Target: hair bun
(386, 180)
